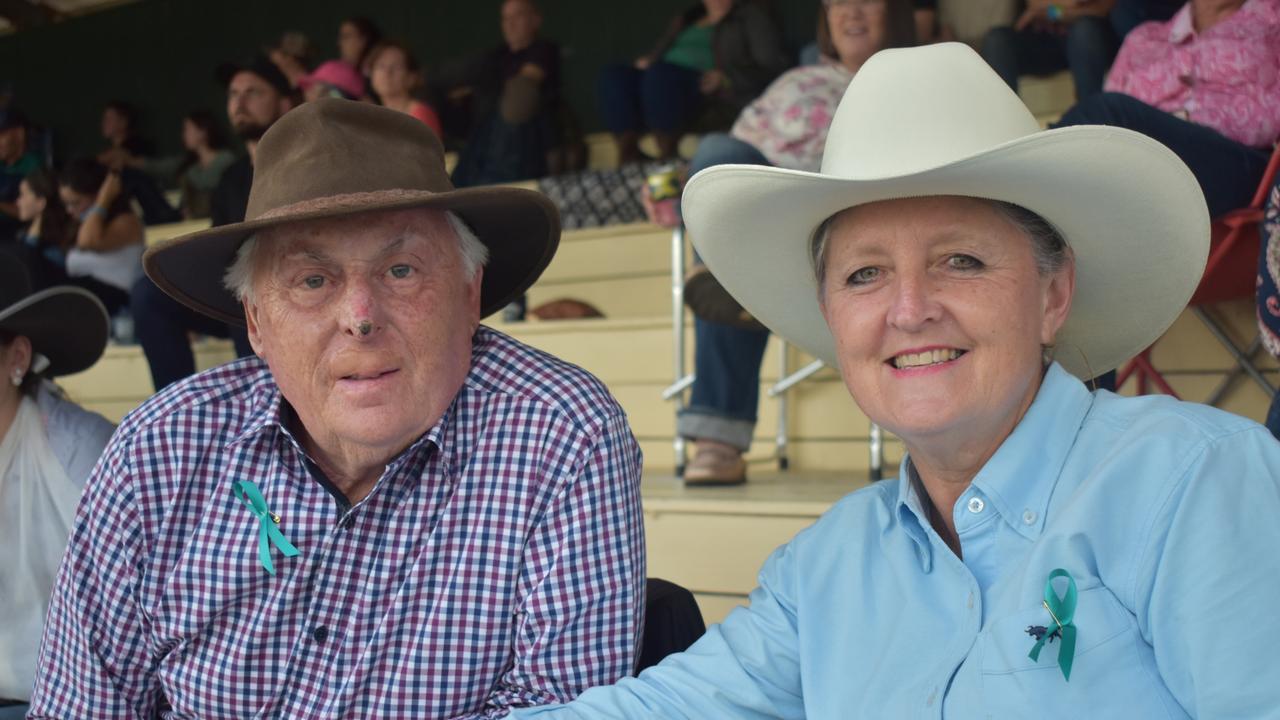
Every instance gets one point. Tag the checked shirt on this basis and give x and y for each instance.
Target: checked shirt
(497, 563)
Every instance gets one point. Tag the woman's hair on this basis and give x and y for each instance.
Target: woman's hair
(208, 124)
(1049, 247)
(899, 20)
(31, 381)
(53, 219)
(85, 176)
(372, 35)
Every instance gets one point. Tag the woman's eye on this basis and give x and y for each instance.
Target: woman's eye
(401, 272)
(864, 275)
(964, 262)
(313, 282)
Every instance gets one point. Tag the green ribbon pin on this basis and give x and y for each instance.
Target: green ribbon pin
(268, 523)
(1062, 610)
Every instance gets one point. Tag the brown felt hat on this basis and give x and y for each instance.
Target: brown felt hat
(335, 158)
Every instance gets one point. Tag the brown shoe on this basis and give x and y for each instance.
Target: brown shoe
(708, 299)
(716, 464)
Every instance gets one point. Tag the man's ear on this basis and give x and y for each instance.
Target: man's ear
(254, 328)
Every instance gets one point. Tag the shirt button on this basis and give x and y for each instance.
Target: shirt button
(976, 505)
(1029, 517)
(320, 634)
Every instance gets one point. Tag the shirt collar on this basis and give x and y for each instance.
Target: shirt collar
(1180, 26)
(1020, 477)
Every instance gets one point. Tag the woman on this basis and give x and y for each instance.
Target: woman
(722, 53)
(356, 36)
(785, 127)
(106, 258)
(207, 158)
(1048, 551)
(48, 445)
(45, 239)
(394, 75)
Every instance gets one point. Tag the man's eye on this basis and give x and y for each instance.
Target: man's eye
(314, 282)
(864, 275)
(401, 271)
(964, 262)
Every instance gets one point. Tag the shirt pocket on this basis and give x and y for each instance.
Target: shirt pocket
(1108, 677)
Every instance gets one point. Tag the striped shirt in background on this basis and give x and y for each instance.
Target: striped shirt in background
(498, 563)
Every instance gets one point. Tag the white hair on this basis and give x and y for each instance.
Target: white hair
(239, 275)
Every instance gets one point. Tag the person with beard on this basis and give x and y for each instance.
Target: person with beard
(258, 94)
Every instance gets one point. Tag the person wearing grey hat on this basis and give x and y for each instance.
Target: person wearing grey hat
(48, 445)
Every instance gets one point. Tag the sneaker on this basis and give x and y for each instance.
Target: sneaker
(716, 464)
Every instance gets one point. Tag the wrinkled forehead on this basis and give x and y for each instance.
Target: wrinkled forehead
(363, 236)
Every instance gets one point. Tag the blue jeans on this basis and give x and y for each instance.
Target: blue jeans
(161, 325)
(13, 712)
(1228, 172)
(1087, 49)
(726, 358)
(662, 97)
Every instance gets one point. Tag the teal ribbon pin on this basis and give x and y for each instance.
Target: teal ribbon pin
(1062, 610)
(268, 523)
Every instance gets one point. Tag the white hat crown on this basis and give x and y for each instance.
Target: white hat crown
(900, 114)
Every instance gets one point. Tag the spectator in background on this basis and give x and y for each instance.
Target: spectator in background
(16, 162)
(395, 74)
(785, 127)
(198, 170)
(1054, 35)
(106, 256)
(333, 78)
(129, 153)
(713, 60)
(45, 239)
(258, 94)
(356, 37)
(1269, 291)
(513, 94)
(48, 446)
(1207, 85)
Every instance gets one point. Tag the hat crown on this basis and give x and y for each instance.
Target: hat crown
(332, 147)
(901, 115)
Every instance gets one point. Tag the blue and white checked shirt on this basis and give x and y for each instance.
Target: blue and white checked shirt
(497, 563)
(1166, 515)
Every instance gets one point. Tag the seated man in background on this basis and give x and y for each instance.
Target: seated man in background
(16, 162)
(392, 511)
(512, 95)
(257, 95)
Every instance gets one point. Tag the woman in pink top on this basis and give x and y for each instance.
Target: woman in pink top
(1206, 84)
(394, 75)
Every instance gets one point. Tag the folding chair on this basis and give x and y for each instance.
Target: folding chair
(1229, 274)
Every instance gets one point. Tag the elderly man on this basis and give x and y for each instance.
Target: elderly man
(392, 511)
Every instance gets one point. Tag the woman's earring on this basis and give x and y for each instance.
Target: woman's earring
(16, 378)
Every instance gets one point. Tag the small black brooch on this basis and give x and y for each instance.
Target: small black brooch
(1038, 631)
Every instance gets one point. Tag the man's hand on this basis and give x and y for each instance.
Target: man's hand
(643, 63)
(1037, 13)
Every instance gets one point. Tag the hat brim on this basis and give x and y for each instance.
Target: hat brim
(67, 325)
(520, 227)
(1131, 211)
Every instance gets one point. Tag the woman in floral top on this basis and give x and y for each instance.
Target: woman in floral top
(785, 127)
(1269, 291)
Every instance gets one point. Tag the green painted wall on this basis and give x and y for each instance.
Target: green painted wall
(161, 54)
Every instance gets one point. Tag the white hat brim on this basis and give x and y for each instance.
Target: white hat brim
(1130, 209)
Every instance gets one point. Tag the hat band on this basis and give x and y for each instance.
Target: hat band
(345, 201)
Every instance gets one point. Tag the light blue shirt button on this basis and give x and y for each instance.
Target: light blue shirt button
(976, 505)
(1029, 517)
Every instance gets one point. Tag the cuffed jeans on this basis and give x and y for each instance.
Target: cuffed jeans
(1087, 49)
(727, 359)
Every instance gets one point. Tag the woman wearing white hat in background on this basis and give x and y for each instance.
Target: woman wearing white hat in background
(48, 445)
(1047, 551)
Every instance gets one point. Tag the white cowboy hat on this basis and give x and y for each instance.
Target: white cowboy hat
(935, 120)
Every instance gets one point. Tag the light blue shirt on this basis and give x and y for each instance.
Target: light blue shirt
(1166, 515)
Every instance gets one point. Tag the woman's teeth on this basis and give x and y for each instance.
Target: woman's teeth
(929, 357)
